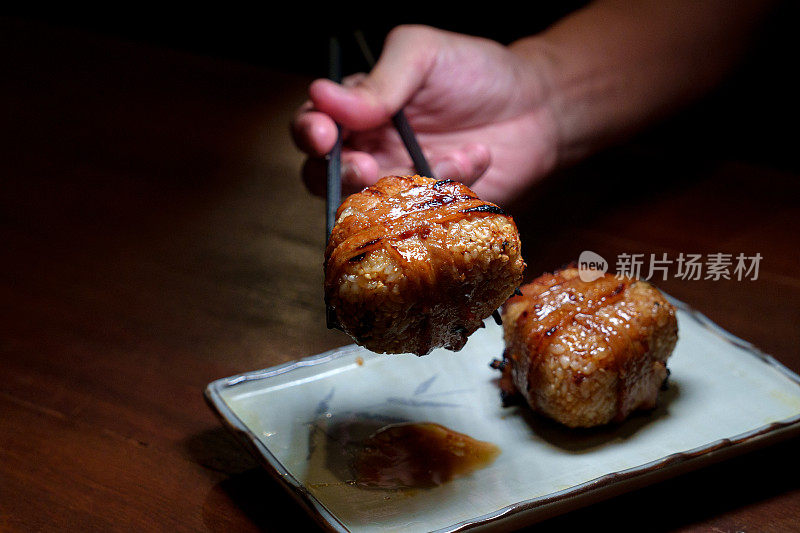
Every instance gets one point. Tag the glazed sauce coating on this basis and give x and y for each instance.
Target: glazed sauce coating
(586, 352)
(387, 216)
(415, 264)
(556, 302)
(559, 301)
(419, 455)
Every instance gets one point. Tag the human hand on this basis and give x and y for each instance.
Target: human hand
(479, 110)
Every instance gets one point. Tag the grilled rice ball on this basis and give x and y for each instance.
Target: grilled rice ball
(414, 264)
(587, 353)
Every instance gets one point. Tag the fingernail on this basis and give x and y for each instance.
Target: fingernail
(354, 80)
(351, 173)
(446, 170)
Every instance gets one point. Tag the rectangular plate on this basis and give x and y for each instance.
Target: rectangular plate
(299, 419)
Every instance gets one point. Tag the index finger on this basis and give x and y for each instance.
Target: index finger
(313, 132)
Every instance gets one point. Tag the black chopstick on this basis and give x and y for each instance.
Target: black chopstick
(334, 181)
(399, 119)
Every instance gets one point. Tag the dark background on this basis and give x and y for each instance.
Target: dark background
(296, 38)
(753, 115)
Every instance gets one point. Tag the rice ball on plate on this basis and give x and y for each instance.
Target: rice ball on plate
(586, 353)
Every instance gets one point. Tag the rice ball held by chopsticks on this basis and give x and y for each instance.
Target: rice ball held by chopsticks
(414, 264)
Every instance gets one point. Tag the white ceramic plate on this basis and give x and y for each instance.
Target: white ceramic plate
(298, 419)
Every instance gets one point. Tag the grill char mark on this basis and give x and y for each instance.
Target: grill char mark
(442, 182)
(485, 208)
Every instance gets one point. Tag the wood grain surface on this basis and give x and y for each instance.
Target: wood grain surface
(156, 236)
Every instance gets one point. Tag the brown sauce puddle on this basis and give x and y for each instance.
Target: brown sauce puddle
(418, 455)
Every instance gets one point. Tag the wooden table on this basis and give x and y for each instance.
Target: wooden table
(156, 236)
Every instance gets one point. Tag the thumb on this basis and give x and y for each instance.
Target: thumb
(370, 101)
